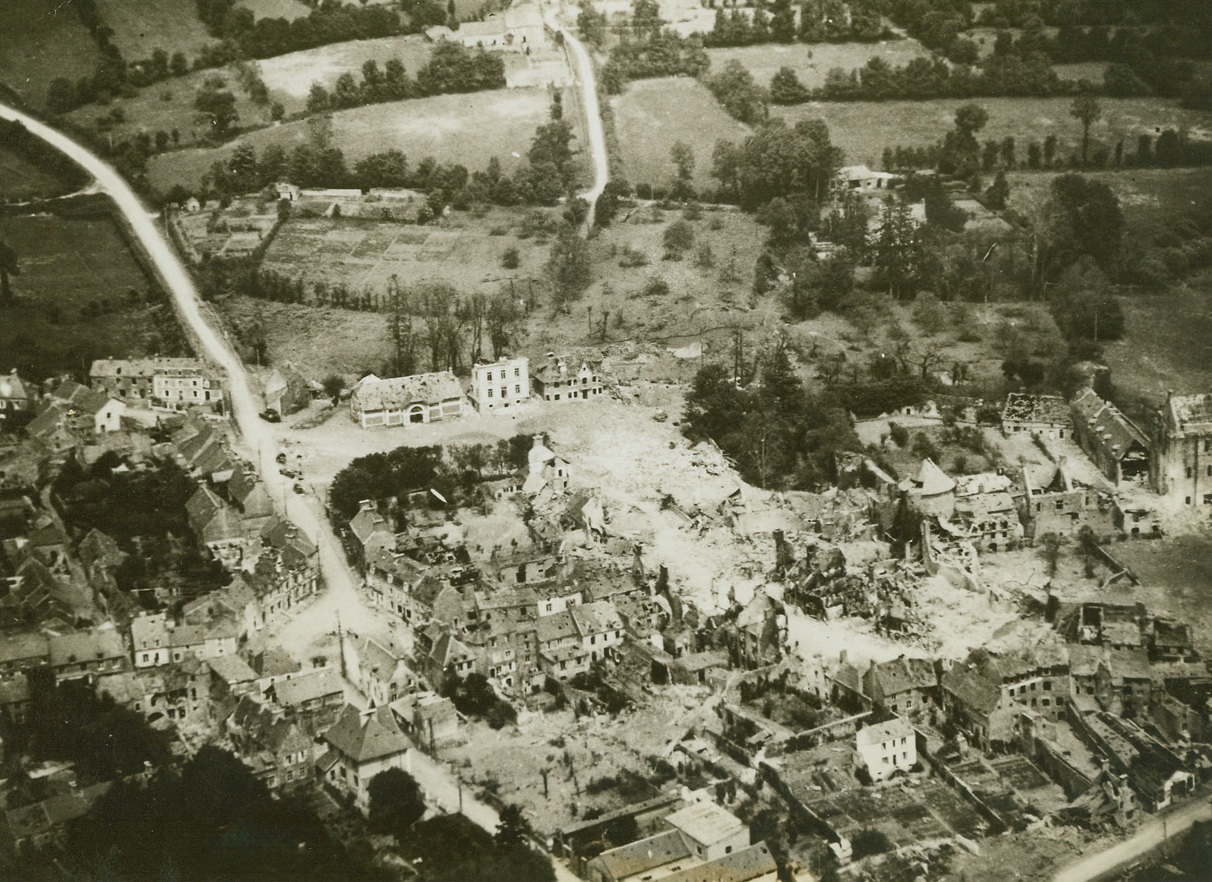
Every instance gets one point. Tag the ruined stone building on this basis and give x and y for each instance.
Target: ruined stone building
(1181, 461)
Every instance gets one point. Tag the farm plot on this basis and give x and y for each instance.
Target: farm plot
(653, 115)
(811, 62)
(39, 41)
(140, 28)
(80, 295)
(364, 255)
(291, 76)
(863, 130)
(21, 179)
(287, 9)
(467, 129)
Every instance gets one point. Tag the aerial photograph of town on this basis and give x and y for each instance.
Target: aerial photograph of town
(605, 440)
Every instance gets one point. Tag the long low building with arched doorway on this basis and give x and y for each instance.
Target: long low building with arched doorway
(422, 398)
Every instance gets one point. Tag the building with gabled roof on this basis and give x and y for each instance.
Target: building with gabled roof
(422, 398)
(1044, 415)
(902, 685)
(360, 745)
(1116, 444)
(286, 390)
(276, 749)
(931, 491)
(563, 378)
(885, 748)
(16, 401)
(381, 673)
(219, 528)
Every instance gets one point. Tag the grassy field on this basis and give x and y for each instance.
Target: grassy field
(67, 264)
(143, 26)
(39, 41)
(653, 115)
(863, 130)
(1148, 195)
(812, 62)
(469, 129)
(1174, 578)
(21, 179)
(1168, 344)
(1081, 70)
(293, 74)
(287, 9)
(170, 105)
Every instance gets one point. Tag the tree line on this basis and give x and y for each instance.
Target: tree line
(451, 69)
(544, 179)
(820, 21)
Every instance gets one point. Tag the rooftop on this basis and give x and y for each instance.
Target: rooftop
(706, 822)
(400, 392)
(1047, 409)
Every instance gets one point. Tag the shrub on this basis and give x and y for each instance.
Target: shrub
(510, 259)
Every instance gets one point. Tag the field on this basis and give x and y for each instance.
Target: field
(293, 74)
(68, 265)
(812, 62)
(1147, 195)
(863, 129)
(287, 9)
(653, 115)
(146, 25)
(170, 105)
(1174, 577)
(39, 41)
(22, 180)
(1081, 70)
(1168, 344)
(468, 129)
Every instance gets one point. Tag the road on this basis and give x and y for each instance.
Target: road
(594, 131)
(257, 437)
(1146, 839)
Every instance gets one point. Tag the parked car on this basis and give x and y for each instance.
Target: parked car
(271, 416)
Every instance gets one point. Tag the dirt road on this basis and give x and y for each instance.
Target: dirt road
(594, 130)
(1147, 838)
(257, 440)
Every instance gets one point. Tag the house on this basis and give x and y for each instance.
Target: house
(982, 711)
(989, 520)
(390, 578)
(1116, 444)
(286, 390)
(561, 380)
(885, 748)
(429, 719)
(14, 700)
(1057, 505)
(495, 385)
(219, 528)
(150, 640)
(516, 29)
(87, 654)
(360, 745)
(183, 388)
(16, 402)
(380, 673)
(547, 473)
(42, 824)
(422, 398)
(79, 409)
(1181, 462)
(861, 178)
(703, 843)
(133, 380)
(275, 748)
(902, 685)
(20, 651)
(1044, 415)
(246, 491)
(314, 697)
(287, 191)
(370, 531)
(447, 656)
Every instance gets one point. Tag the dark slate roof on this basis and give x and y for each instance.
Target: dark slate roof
(363, 738)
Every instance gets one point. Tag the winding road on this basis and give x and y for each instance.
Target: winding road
(258, 440)
(594, 130)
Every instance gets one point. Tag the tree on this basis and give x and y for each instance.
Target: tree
(1080, 217)
(334, 385)
(786, 88)
(899, 253)
(678, 238)
(592, 24)
(1050, 549)
(218, 107)
(646, 21)
(569, 267)
(735, 89)
(8, 267)
(682, 156)
(396, 802)
(513, 830)
(998, 192)
(1087, 110)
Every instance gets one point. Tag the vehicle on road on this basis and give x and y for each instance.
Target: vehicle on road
(271, 416)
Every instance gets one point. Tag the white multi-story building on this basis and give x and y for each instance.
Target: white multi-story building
(177, 389)
(886, 748)
(500, 384)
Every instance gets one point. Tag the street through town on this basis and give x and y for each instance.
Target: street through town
(341, 597)
(1150, 835)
